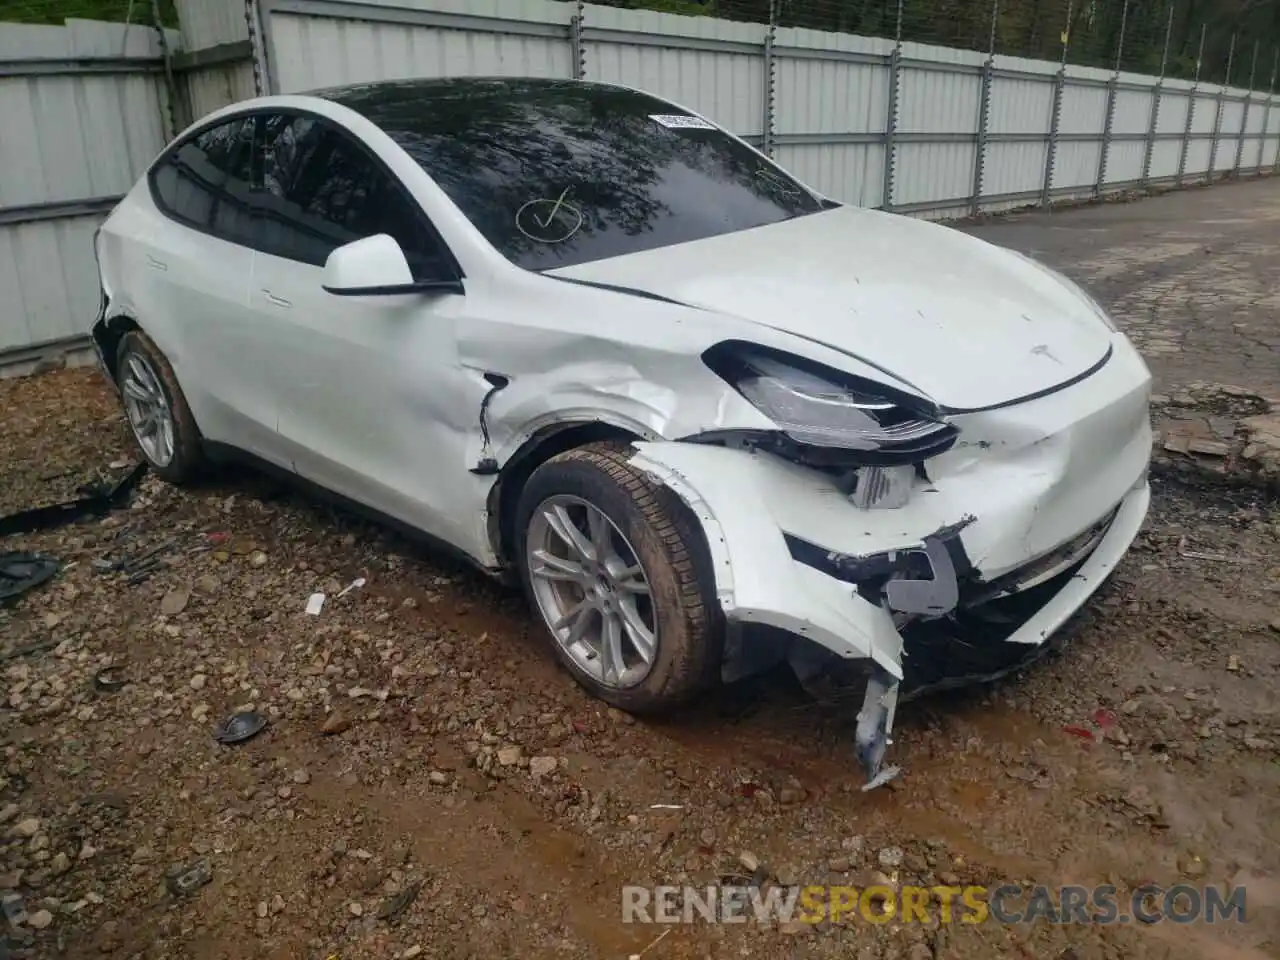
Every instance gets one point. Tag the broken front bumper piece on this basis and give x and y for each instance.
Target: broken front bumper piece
(1038, 506)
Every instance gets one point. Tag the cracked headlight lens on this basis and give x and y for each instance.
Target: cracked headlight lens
(817, 406)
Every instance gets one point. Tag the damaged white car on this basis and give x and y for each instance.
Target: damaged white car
(713, 420)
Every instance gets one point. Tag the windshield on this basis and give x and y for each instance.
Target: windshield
(556, 173)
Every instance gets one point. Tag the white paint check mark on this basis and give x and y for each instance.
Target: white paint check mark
(554, 210)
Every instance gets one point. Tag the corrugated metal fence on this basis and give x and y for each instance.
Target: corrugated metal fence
(912, 128)
(82, 110)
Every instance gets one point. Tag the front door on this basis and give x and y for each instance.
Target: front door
(373, 403)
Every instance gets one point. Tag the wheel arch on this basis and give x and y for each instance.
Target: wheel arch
(108, 333)
(545, 443)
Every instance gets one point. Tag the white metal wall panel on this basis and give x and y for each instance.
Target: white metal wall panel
(205, 23)
(1132, 111)
(312, 52)
(1076, 164)
(931, 101)
(1270, 152)
(728, 87)
(213, 87)
(55, 128)
(848, 172)
(1020, 105)
(1173, 112)
(831, 96)
(933, 171)
(1206, 109)
(1124, 161)
(48, 281)
(67, 138)
(1164, 158)
(1014, 167)
(1084, 109)
(1198, 157)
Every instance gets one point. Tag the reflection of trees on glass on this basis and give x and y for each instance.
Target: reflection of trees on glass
(495, 145)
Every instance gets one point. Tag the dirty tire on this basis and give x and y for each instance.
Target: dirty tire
(671, 549)
(188, 458)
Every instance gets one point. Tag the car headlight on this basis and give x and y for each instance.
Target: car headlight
(847, 418)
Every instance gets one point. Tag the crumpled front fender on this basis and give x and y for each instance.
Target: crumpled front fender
(757, 580)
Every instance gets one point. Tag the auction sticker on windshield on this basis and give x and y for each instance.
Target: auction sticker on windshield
(676, 121)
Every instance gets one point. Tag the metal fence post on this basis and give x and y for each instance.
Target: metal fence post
(984, 115)
(1157, 96)
(1244, 113)
(1059, 82)
(770, 80)
(257, 19)
(891, 118)
(1192, 98)
(1109, 118)
(1266, 114)
(1217, 116)
(577, 50)
(177, 110)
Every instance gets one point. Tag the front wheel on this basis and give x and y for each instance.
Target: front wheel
(619, 574)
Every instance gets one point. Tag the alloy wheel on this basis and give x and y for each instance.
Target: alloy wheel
(592, 591)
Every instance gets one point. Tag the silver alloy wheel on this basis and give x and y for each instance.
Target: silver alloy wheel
(147, 409)
(592, 591)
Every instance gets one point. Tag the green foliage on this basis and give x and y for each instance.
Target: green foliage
(1035, 28)
(56, 11)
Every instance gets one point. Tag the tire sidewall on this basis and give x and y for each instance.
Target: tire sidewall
(186, 439)
(581, 479)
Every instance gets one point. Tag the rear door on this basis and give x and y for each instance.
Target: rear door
(192, 266)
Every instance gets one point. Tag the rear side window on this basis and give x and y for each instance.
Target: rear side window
(190, 182)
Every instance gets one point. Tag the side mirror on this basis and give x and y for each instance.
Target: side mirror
(376, 267)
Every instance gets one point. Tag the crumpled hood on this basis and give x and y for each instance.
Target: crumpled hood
(967, 323)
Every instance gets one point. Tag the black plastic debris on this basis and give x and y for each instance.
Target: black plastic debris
(109, 679)
(20, 572)
(97, 500)
(240, 727)
(184, 880)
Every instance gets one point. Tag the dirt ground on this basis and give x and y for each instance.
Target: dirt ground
(430, 784)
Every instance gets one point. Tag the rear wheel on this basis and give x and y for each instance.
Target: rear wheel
(618, 573)
(157, 410)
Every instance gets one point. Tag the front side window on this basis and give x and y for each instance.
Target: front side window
(190, 181)
(321, 190)
(559, 173)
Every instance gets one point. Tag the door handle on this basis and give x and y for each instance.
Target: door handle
(157, 264)
(278, 301)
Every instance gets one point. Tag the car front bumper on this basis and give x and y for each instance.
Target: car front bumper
(1053, 489)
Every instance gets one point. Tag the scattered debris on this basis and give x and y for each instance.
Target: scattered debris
(110, 679)
(21, 571)
(315, 603)
(96, 502)
(355, 584)
(240, 727)
(184, 880)
(1200, 555)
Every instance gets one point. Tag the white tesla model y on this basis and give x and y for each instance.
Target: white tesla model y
(712, 420)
